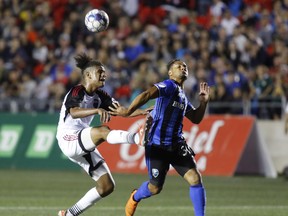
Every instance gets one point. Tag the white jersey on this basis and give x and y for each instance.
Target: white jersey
(77, 97)
(73, 135)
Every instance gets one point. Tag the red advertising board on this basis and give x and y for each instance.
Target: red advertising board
(218, 142)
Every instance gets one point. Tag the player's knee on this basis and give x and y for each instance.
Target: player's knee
(193, 177)
(154, 189)
(195, 181)
(106, 189)
(102, 130)
(100, 133)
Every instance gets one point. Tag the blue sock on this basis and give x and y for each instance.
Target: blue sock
(198, 198)
(142, 192)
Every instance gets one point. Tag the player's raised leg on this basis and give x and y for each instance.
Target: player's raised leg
(120, 137)
(100, 134)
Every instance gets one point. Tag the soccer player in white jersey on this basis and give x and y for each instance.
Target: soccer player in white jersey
(78, 140)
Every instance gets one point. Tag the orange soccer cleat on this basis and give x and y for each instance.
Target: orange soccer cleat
(131, 205)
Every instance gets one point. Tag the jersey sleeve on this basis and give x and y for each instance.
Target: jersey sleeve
(106, 99)
(74, 97)
(167, 87)
(189, 107)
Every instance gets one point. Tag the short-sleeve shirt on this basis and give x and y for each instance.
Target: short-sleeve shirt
(168, 113)
(78, 97)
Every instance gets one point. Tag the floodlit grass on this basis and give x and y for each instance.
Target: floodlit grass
(43, 193)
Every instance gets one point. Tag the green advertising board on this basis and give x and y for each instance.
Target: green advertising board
(28, 141)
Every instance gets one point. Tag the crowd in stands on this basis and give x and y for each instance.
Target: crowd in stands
(240, 47)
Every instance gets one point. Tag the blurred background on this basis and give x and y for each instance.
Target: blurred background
(239, 47)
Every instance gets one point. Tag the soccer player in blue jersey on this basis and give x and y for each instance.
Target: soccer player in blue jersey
(165, 144)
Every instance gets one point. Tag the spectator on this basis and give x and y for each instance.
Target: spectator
(36, 34)
(65, 50)
(237, 102)
(229, 22)
(220, 100)
(277, 95)
(233, 54)
(286, 119)
(217, 8)
(263, 86)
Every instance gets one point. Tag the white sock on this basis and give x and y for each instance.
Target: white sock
(120, 137)
(90, 198)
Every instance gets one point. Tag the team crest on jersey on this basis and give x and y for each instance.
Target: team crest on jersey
(155, 172)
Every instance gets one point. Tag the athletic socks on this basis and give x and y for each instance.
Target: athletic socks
(142, 192)
(90, 198)
(120, 137)
(198, 198)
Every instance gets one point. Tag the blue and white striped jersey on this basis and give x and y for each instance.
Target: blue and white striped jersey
(168, 113)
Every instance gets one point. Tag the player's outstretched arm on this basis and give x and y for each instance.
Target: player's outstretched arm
(119, 110)
(139, 101)
(196, 116)
(77, 112)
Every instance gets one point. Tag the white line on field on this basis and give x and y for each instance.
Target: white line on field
(31, 208)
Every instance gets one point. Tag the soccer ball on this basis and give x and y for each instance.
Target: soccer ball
(96, 20)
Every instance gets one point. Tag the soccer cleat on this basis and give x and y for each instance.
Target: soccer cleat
(131, 205)
(62, 213)
(144, 129)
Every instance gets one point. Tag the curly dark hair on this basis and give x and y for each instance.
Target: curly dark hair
(83, 61)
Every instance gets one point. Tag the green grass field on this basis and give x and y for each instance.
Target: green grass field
(43, 193)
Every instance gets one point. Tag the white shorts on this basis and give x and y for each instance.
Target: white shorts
(79, 148)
